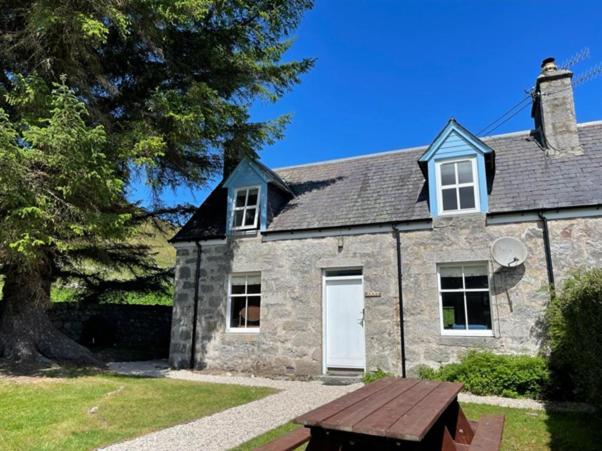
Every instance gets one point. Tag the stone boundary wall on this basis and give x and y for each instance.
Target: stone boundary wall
(115, 325)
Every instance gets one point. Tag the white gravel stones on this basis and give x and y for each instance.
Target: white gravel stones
(524, 403)
(234, 426)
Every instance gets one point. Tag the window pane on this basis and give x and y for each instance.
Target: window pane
(253, 311)
(449, 199)
(479, 313)
(240, 198)
(467, 197)
(254, 289)
(476, 276)
(343, 272)
(448, 174)
(237, 289)
(250, 216)
(451, 277)
(252, 197)
(453, 311)
(254, 279)
(465, 172)
(238, 216)
(237, 310)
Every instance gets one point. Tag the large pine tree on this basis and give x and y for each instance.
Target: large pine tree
(93, 93)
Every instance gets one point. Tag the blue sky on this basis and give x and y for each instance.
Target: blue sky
(390, 73)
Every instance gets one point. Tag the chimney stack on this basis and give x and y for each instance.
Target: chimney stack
(554, 111)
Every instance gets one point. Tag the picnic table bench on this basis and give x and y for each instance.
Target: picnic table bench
(394, 414)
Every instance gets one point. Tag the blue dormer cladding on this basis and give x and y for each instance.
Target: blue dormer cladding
(249, 174)
(455, 142)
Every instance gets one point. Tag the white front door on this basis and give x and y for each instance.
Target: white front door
(344, 322)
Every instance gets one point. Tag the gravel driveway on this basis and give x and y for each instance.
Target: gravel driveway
(227, 429)
(234, 426)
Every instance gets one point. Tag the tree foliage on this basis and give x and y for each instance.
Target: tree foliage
(170, 80)
(96, 94)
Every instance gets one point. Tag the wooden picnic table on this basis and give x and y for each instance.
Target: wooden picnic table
(395, 414)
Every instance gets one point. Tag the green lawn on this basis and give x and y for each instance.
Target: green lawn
(85, 412)
(524, 430)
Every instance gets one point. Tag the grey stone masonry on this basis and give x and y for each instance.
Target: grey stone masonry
(290, 338)
(183, 306)
(519, 295)
(554, 111)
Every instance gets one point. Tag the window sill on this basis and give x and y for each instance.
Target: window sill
(243, 232)
(460, 212)
(243, 331)
(467, 333)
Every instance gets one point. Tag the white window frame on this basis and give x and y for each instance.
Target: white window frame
(474, 184)
(245, 207)
(242, 330)
(464, 332)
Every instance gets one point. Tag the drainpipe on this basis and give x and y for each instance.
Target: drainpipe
(401, 321)
(197, 275)
(548, 251)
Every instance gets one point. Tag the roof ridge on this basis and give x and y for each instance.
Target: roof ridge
(409, 149)
(357, 157)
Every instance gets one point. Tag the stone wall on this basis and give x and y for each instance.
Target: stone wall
(144, 327)
(290, 340)
(519, 295)
(576, 244)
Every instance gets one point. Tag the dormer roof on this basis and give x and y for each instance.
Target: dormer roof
(390, 187)
(453, 129)
(261, 170)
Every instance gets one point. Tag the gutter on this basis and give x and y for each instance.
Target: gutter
(197, 275)
(401, 320)
(548, 251)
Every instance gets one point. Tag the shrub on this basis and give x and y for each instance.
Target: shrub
(374, 376)
(574, 326)
(486, 373)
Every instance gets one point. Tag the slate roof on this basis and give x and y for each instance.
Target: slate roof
(390, 187)
(209, 221)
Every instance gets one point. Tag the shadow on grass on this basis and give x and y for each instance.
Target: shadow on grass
(574, 431)
(12, 370)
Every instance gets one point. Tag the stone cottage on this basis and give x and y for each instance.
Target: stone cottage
(384, 261)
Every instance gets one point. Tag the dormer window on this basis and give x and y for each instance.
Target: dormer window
(246, 208)
(255, 193)
(458, 167)
(457, 189)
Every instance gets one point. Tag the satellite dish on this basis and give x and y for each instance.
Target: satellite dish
(508, 252)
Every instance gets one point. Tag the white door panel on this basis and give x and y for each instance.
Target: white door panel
(344, 338)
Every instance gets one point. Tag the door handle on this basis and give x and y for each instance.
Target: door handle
(361, 321)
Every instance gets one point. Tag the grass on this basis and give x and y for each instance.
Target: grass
(88, 411)
(524, 430)
(267, 437)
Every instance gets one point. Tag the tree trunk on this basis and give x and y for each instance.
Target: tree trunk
(26, 332)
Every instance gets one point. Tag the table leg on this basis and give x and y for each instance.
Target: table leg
(464, 430)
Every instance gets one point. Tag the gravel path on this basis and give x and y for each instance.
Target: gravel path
(234, 426)
(525, 403)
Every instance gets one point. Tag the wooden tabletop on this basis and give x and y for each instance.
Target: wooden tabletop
(404, 409)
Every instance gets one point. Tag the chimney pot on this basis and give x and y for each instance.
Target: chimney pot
(549, 65)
